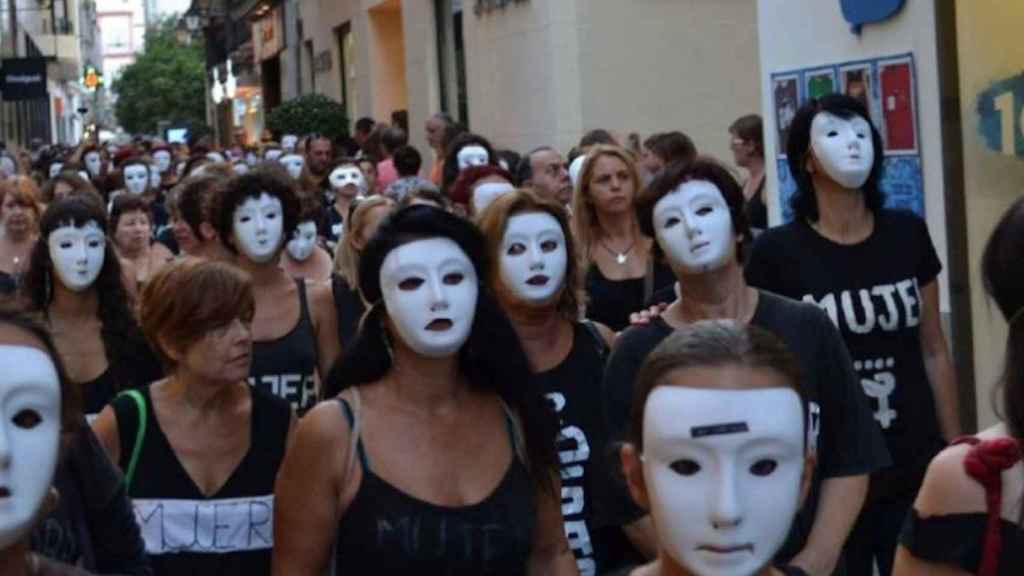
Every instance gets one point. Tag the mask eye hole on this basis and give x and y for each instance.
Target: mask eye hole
(704, 210)
(685, 467)
(764, 467)
(27, 419)
(516, 249)
(670, 222)
(833, 133)
(453, 278)
(548, 246)
(410, 284)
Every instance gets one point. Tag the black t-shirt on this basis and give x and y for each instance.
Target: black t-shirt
(848, 443)
(871, 291)
(610, 302)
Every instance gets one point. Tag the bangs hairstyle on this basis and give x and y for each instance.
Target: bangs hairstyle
(450, 171)
(749, 129)
(190, 298)
(712, 344)
(24, 191)
(702, 169)
(124, 204)
(196, 198)
(492, 358)
(493, 222)
(73, 180)
(262, 180)
(584, 218)
(798, 149)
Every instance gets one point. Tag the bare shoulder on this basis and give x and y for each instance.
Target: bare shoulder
(947, 488)
(320, 296)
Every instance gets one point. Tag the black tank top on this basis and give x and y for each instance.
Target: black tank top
(227, 534)
(349, 307)
(287, 366)
(610, 302)
(388, 532)
(98, 392)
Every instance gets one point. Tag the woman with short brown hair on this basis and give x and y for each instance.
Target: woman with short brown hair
(201, 441)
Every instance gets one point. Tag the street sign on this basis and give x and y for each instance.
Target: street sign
(23, 79)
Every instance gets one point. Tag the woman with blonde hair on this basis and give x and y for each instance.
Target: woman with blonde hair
(622, 271)
(19, 213)
(364, 217)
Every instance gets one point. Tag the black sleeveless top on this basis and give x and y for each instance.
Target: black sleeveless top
(388, 532)
(350, 308)
(135, 368)
(227, 534)
(287, 366)
(610, 302)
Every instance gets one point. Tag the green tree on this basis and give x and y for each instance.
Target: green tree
(166, 82)
(307, 114)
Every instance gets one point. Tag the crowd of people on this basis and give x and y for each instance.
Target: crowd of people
(311, 356)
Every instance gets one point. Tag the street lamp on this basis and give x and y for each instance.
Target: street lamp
(217, 91)
(230, 83)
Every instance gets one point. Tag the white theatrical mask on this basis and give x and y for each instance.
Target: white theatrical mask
(430, 290)
(303, 241)
(272, 154)
(161, 161)
(472, 155)
(154, 179)
(77, 253)
(93, 163)
(240, 168)
(293, 163)
(258, 226)
(347, 176)
(55, 169)
(533, 257)
(485, 193)
(843, 148)
(288, 142)
(693, 226)
(29, 437)
(215, 157)
(251, 159)
(723, 471)
(575, 169)
(136, 178)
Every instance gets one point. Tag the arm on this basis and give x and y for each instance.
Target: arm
(937, 363)
(325, 323)
(105, 428)
(838, 506)
(550, 553)
(308, 493)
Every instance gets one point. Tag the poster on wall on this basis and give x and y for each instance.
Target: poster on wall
(1000, 109)
(887, 87)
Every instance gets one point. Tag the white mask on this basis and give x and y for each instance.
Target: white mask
(29, 437)
(843, 148)
(430, 291)
(55, 169)
(533, 258)
(694, 227)
(575, 168)
(136, 178)
(77, 253)
(251, 159)
(161, 161)
(485, 193)
(215, 157)
(472, 156)
(154, 179)
(83, 175)
(258, 227)
(272, 154)
(343, 176)
(303, 241)
(293, 163)
(288, 142)
(240, 168)
(93, 163)
(723, 471)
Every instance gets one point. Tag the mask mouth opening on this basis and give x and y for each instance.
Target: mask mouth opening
(5, 492)
(538, 280)
(727, 548)
(440, 325)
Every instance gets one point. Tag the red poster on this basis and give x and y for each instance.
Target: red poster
(897, 82)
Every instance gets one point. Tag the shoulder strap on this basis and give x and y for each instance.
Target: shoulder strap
(985, 462)
(355, 448)
(602, 345)
(140, 436)
(515, 432)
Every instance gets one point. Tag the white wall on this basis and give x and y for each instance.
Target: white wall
(803, 33)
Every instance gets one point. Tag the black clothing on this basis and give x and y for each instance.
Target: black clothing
(94, 525)
(350, 309)
(756, 210)
(610, 302)
(228, 533)
(8, 284)
(958, 539)
(332, 225)
(132, 370)
(871, 292)
(848, 443)
(388, 532)
(287, 366)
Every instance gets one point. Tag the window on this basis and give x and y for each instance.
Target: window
(451, 57)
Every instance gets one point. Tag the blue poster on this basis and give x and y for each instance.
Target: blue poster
(1001, 116)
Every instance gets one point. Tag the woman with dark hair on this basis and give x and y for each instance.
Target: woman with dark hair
(64, 184)
(294, 331)
(345, 182)
(193, 224)
(465, 150)
(200, 449)
(132, 232)
(75, 281)
(303, 257)
(875, 271)
(747, 145)
(437, 456)
(538, 282)
(968, 518)
(478, 186)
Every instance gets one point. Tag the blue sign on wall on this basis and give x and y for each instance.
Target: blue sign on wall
(1001, 116)
(861, 12)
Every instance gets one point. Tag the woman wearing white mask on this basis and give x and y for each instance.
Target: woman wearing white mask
(75, 280)
(537, 280)
(875, 271)
(719, 450)
(303, 257)
(464, 151)
(437, 457)
(294, 330)
(695, 212)
(345, 182)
